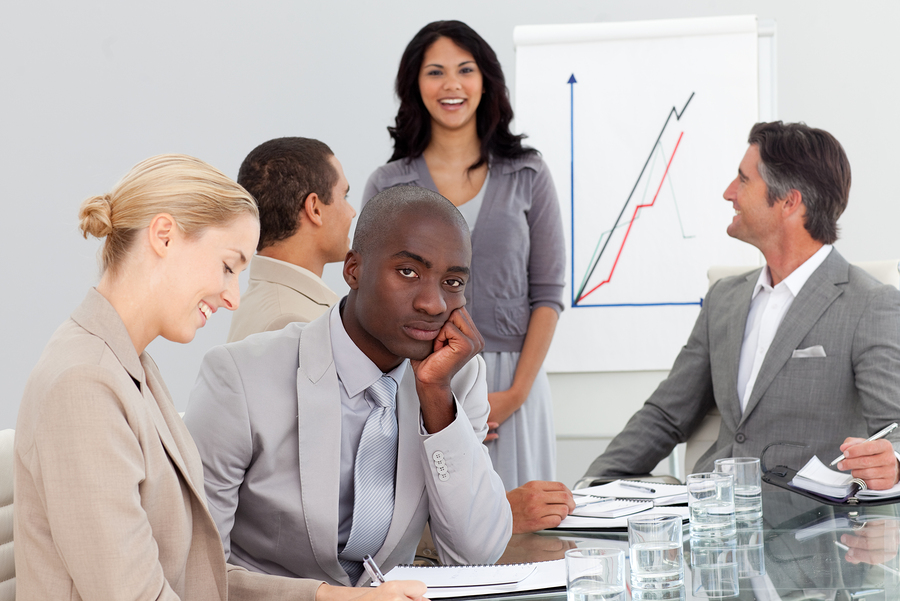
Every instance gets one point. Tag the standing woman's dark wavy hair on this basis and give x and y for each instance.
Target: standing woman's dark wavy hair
(412, 127)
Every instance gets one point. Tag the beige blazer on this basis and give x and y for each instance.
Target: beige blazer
(279, 293)
(108, 482)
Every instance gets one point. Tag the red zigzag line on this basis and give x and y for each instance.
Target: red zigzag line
(636, 209)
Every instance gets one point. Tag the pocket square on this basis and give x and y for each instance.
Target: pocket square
(806, 353)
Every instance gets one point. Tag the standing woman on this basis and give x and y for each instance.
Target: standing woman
(452, 135)
(108, 482)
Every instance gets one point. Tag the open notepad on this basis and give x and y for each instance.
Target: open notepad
(445, 582)
(815, 477)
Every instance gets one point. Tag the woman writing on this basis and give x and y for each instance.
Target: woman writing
(108, 483)
(452, 135)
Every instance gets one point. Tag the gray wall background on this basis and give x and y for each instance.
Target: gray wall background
(91, 88)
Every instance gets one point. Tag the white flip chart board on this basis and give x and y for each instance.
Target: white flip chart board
(643, 125)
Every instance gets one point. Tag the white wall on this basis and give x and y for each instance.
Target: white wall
(90, 88)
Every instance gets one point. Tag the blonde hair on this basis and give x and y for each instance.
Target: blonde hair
(194, 193)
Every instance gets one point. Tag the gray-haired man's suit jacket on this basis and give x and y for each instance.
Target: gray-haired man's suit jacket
(266, 416)
(818, 401)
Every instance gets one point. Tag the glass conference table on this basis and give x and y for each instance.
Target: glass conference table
(798, 551)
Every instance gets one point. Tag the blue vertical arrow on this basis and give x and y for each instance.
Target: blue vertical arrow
(572, 81)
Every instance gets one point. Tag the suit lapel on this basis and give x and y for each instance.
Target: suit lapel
(815, 297)
(738, 301)
(319, 433)
(97, 315)
(410, 481)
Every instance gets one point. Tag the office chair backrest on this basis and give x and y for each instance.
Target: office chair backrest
(886, 272)
(7, 559)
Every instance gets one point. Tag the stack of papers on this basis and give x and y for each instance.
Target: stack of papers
(445, 582)
(577, 523)
(601, 507)
(465, 576)
(660, 494)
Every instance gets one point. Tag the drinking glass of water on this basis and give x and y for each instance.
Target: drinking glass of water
(711, 503)
(714, 567)
(595, 574)
(658, 594)
(655, 546)
(747, 486)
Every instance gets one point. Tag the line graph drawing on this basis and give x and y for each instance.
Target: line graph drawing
(579, 297)
(642, 127)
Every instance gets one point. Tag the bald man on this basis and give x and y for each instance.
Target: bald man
(295, 475)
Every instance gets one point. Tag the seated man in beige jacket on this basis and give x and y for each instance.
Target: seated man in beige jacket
(304, 223)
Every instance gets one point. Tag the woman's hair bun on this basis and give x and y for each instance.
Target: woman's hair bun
(95, 216)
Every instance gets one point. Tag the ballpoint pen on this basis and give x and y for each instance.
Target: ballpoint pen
(637, 487)
(876, 436)
(373, 570)
(582, 500)
(889, 569)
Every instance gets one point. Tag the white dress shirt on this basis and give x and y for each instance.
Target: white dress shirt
(768, 306)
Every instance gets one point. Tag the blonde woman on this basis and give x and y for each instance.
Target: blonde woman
(108, 483)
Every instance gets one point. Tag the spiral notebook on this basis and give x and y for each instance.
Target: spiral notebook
(661, 494)
(469, 581)
(454, 576)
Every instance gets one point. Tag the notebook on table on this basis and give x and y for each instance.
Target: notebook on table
(816, 481)
(661, 494)
(445, 582)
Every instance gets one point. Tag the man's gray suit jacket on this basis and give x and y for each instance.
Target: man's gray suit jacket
(816, 401)
(266, 416)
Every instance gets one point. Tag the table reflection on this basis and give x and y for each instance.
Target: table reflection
(799, 550)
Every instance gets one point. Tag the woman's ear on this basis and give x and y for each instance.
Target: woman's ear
(162, 232)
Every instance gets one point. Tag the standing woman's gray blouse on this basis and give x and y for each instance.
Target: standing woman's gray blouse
(518, 257)
(518, 264)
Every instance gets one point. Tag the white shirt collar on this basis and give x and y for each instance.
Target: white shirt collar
(797, 278)
(354, 369)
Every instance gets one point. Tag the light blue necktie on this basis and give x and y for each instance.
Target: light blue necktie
(373, 479)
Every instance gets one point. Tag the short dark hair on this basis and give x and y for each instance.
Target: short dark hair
(794, 156)
(280, 174)
(412, 126)
(387, 205)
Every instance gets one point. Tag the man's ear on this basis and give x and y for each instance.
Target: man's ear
(352, 269)
(793, 204)
(312, 209)
(161, 233)
(793, 201)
